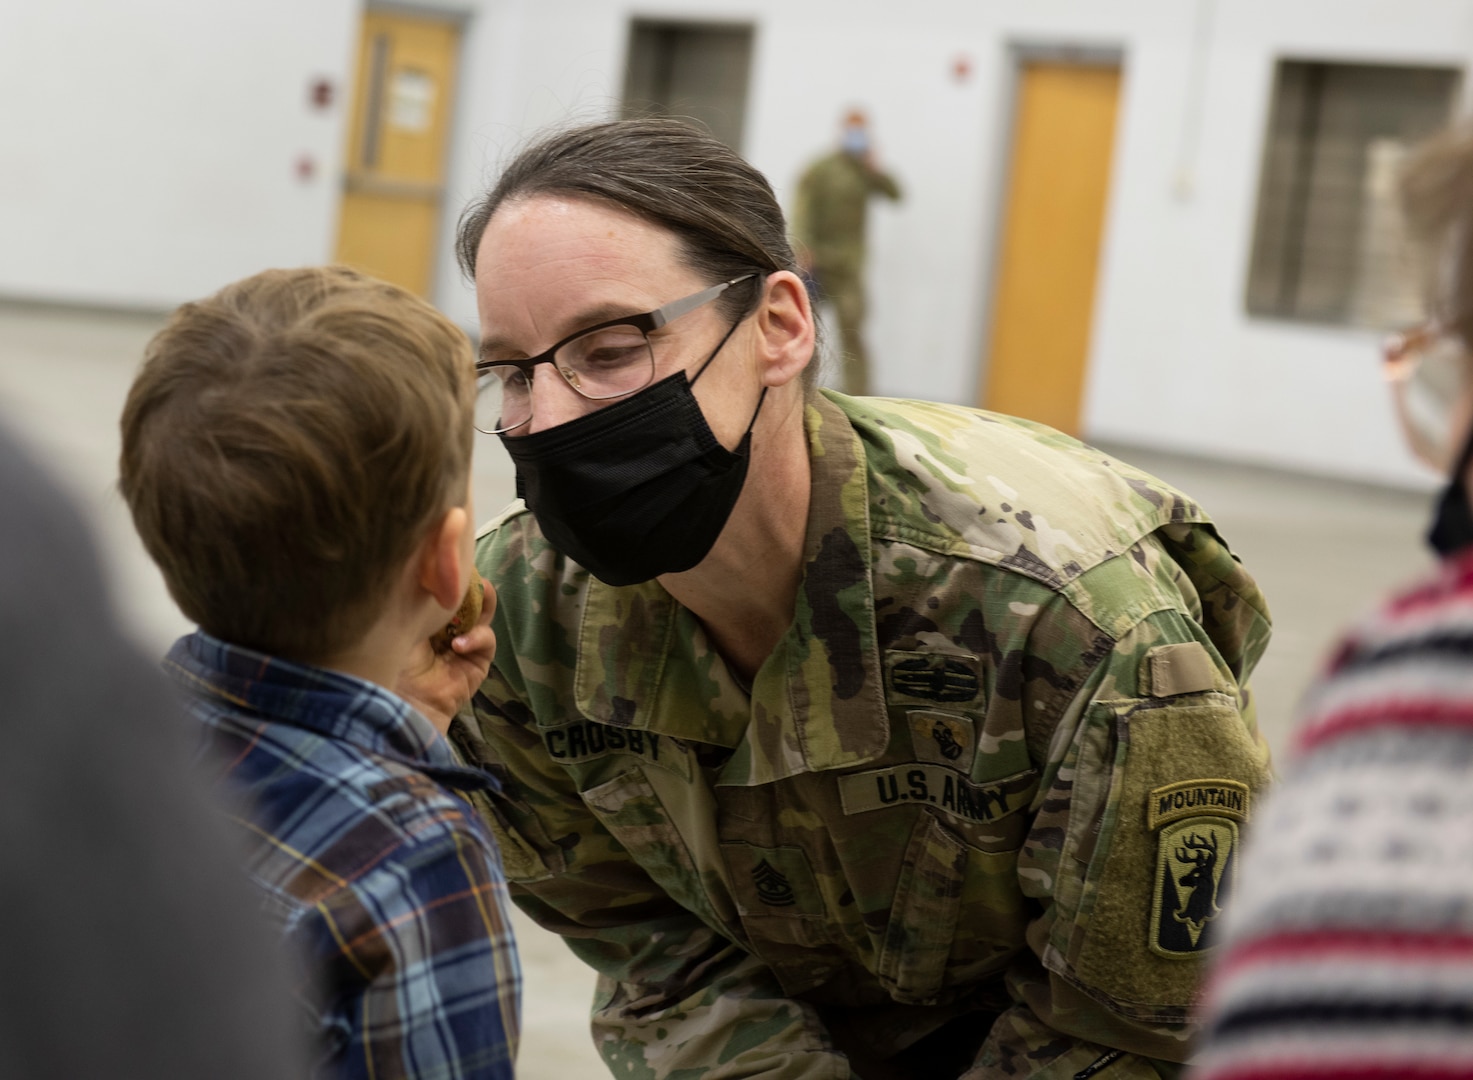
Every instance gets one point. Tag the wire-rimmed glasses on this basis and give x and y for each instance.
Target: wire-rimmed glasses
(1427, 368)
(601, 362)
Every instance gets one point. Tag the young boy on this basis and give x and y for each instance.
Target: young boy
(296, 456)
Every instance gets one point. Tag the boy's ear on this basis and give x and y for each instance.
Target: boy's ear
(443, 569)
(785, 326)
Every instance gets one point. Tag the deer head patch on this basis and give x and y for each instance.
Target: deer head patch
(1196, 864)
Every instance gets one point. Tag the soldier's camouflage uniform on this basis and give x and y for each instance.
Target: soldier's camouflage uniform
(995, 767)
(830, 212)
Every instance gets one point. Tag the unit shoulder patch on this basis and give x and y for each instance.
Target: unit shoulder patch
(1196, 866)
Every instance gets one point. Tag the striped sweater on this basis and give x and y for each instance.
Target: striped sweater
(1349, 946)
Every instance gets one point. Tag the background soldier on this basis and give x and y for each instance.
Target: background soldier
(829, 224)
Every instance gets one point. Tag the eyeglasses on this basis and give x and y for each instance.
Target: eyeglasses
(1428, 371)
(601, 362)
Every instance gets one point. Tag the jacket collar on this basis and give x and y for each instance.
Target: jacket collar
(817, 702)
(332, 704)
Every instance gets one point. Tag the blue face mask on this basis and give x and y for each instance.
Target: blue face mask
(855, 141)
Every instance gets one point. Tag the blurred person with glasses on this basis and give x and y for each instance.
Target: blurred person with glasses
(842, 736)
(1349, 949)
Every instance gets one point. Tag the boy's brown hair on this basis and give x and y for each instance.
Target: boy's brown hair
(285, 445)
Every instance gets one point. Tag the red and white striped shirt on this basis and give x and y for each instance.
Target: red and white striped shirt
(1348, 951)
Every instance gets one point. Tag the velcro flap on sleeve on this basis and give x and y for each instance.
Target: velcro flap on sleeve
(1183, 668)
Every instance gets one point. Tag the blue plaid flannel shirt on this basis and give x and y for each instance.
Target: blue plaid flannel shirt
(382, 877)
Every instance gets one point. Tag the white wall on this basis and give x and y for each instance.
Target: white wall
(148, 149)
(152, 159)
(1177, 362)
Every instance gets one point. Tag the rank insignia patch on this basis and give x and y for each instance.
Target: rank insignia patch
(772, 885)
(1196, 865)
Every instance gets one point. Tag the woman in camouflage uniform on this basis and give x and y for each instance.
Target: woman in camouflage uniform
(843, 737)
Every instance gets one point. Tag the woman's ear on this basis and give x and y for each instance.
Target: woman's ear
(785, 328)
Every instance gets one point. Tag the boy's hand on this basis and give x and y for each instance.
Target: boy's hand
(439, 682)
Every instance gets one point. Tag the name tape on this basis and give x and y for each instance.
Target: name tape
(588, 740)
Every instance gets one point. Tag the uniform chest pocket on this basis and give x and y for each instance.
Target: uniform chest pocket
(631, 810)
(783, 912)
(958, 914)
(923, 919)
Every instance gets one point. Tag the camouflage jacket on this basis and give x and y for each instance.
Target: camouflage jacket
(998, 762)
(831, 209)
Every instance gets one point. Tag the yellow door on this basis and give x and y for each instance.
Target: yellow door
(1064, 131)
(395, 177)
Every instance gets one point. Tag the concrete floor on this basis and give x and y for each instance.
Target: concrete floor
(1323, 550)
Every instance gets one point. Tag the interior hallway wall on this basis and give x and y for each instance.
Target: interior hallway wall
(1176, 362)
(150, 150)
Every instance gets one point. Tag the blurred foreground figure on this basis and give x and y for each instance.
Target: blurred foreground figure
(1350, 949)
(829, 222)
(843, 736)
(132, 944)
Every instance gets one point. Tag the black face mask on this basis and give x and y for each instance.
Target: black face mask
(1452, 526)
(637, 489)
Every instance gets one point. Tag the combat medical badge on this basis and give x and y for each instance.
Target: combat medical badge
(1196, 822)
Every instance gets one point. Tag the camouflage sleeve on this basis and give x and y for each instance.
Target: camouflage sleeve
(882, 183)
(1149, 775)
(671, 991)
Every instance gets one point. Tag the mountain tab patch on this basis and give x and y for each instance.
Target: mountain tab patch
(1190, 798)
